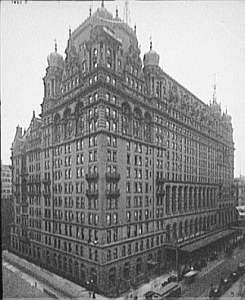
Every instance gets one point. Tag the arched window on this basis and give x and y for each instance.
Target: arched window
(57, 128)
(147, 127)
(208, 222)
(196, 226)
(180, 230)
(76, 268)
(195, 198)
(112, 276)
(204, 197)
(174, 231)
(126, 270)
(204, 224)
(191, 227)
(185, 198)
(139, 265)
(180, 199)
(70, 266)
(168, 233)
(167, 201)
(186, 228)
(67, 123)
(59, 262)
(82, 273)
(65, 263)
(190, 198)
(126, 119)
(208, 197)
(200, 198)
(174, 194)
(80, 120)
(137, 129)
(200, 224)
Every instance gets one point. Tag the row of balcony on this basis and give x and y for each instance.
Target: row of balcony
(109, 193)
(114, 176)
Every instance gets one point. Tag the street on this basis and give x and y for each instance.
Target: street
(201, 286)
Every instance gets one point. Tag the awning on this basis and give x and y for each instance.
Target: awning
(191, 274)
(206, 241)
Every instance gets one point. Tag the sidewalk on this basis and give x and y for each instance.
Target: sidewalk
(63, 287)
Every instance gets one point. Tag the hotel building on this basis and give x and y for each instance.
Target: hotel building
(122, 166)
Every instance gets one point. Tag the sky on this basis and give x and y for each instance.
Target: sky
(195, 40)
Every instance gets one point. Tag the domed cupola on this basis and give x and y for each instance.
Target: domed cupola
(151, 58)
(55, 59)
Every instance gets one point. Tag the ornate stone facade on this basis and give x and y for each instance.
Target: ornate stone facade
(122, 162)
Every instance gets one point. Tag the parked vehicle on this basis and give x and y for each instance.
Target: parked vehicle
(215, 293)
(172, 290)
(197, 266)
(190, 276)
(234, 276)
(225, 283)
(241, 268)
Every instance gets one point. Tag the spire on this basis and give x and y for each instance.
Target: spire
(55, 45)
(69, 32)
(102, 3)
(116, 12)
(33, 114)
(135, 28)
(126, 13)
(150, 43)
(90, 11)
(214, 92)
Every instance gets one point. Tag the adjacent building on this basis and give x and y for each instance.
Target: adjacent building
(6, 204)
(122, 166)
(240, 198)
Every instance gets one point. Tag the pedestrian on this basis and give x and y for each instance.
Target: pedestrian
(89, 293)
(94, 295)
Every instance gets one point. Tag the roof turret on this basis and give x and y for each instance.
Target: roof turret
(55, 59)
(151, 58)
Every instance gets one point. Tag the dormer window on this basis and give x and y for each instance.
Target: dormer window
(95, 64)
(84, 66)
(108, 52)
(113, 82)
(90, 81)
(95, 78)
(95, 51)
(108, 65)
(113, 100)
(108, 78)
